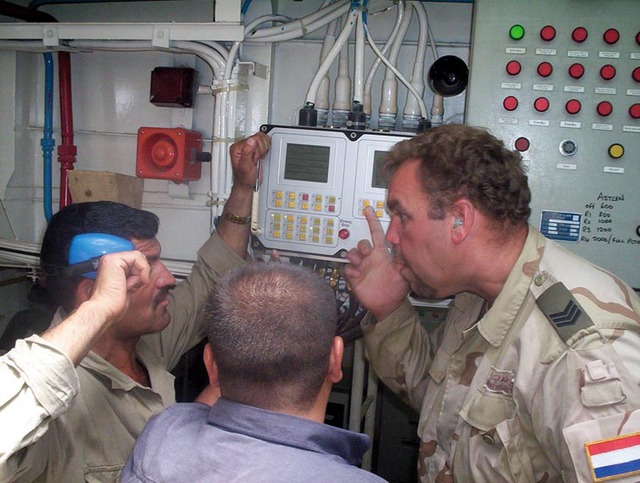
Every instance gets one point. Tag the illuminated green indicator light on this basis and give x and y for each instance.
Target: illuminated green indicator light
(516, 32)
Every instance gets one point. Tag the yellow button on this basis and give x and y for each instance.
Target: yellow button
(303, 237)
(290, 218)
(366, 203)
(276, 234)
(332, 200)
(279, 203)
(315, 238)
(289, 236)
(278, 195)
(303, 219)
(276, 226)
(289, 226)
(616, 151)
(329, 231)
(380, 204)
(318, 207)
(305, 206)
(329, 222)
(379, 213)
(319, 198)
(292, 196)
(292, 204)
(315, 229)
(328, 240)
(276, 217)
(303, 228)
(316, 221)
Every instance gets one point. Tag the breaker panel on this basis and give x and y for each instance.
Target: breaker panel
(559, 80)
(316, 184)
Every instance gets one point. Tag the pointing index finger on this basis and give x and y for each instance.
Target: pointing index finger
(375, 227)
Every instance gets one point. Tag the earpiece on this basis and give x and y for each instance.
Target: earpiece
(457, 222)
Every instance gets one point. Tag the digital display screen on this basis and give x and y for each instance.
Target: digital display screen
(377, 180)
(304, 162)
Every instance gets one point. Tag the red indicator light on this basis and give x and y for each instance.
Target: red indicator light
(510, 103)
(604, 108)
(522, 144)
(611, 36)
(634, 111)
(636, 74)
(343, 234)
(579, 34)
(547, 33)
(513, 67)
(576, 71)
(545, 69)
(608, 72)
(573, 106)
(541, 104)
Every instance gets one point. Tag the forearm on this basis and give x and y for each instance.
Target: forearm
(234, 234)
(400, 352)
(75, 335)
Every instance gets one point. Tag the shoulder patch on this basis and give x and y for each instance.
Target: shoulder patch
(563, 311)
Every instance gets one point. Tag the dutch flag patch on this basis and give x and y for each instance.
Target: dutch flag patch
(615, 457)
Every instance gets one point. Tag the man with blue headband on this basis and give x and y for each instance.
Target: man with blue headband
(125, 378)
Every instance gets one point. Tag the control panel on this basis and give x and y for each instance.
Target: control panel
(316, 185)
(559, 81)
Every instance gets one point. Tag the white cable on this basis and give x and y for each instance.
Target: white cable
(389, 94)
(358, 75)
(423, 109)
(333, 53)
(377, 61)
(417, 77)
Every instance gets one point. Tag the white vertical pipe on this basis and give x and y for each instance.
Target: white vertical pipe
(358, 76)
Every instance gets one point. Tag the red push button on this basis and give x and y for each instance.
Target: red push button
(638, 38)
(604, 108)
(547, 33)
(608, 72)
(634, 111)
(579, 34)
(573, 106)
(513, 67)
(636, 74)
(541, 104)
(343, 234)
(545, 69)
(522, 144)
(510, 103)
(611, 36)
(576, 71)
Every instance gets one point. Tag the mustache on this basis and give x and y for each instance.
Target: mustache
(162, 295)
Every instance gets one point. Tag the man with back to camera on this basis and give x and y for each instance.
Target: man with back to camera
(273, 352)
(124, 380)
(538, 359)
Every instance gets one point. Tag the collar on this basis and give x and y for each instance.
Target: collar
(288, 430)
(502, 314)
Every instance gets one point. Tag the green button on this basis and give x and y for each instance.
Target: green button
(516, 32)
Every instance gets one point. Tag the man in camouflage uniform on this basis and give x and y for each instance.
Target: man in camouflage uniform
(534, 376)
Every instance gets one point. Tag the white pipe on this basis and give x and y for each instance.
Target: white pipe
(358, 75)
(333, 53)
(302, 24)
(372, 72)
(411, 107)
(322, 98)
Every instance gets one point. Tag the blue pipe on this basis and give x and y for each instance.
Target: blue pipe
(48, 142)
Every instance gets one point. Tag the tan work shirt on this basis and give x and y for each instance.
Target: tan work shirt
(92, 440)
(516, 395)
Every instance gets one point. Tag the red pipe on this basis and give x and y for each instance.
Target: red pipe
(66, 149)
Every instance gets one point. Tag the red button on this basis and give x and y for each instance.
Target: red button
(343, 234)
(608, 72)
(576, 71)
(579, 34)
(636, 74)
(604, 108)
(541, 104)
(510, 103)
(638, 38)
(522, 144)
(545, 69)
(573, 106)
(514, 67)
(634, 111)
(305, 197)
(547, 33)
(611, 36)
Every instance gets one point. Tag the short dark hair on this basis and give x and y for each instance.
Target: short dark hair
(271, 327)
(463, 161)
(107, 217)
